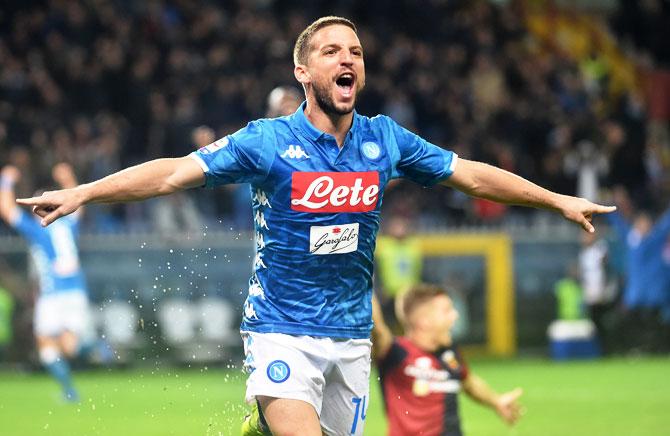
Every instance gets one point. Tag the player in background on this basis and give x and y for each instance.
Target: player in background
(62, 320)
(317, 178)
(283, 101)
(599, 292)
(422, 372)
(645, 291)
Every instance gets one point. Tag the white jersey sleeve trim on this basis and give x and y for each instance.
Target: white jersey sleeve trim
(200, 162)
(452, 165)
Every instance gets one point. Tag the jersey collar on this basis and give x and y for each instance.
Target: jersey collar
(312, 132)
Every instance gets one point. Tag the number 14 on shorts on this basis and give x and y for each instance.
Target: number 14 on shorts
(360, 405)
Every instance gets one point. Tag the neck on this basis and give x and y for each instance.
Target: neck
(336, 125)
(423, 341)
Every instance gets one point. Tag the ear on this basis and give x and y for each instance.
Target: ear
(302, 75)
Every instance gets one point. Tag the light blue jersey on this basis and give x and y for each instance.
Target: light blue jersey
(54, 252)
(647, 280)
(316, 214)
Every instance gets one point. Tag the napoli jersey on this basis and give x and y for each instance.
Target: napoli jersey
(54, 252)
(316, 214)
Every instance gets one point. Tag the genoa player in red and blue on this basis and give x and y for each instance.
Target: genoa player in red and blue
(317, 180)
(422, 372)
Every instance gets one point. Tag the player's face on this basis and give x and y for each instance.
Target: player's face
(336, 69)
(442, 317)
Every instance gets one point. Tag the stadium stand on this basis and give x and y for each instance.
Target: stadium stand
(519, 85)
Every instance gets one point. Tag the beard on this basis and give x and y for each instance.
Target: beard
(324, 99)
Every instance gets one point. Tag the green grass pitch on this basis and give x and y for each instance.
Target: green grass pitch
(608, 397)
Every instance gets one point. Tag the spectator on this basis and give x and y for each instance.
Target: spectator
(399, 265)
(589, 166)
(569, 297)
(598, 290)
(646, 279)
(64, 63)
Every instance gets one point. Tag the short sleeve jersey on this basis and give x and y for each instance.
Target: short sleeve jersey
(316, 211)
(421, 389)
(54, 252)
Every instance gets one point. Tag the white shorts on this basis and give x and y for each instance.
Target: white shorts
(60, 312)
(330, 374)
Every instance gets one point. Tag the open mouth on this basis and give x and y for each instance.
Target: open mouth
(345, 83)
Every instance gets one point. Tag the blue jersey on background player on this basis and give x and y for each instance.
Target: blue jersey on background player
(62, 318)
(316, 215)
(54, 253)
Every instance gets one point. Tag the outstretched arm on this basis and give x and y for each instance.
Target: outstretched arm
(9, 175)
(663, 224)
(485, 181)
(382, 338)
(150, 179)
(505, 405)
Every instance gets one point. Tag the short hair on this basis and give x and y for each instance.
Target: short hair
(303, 43)
(415, 296)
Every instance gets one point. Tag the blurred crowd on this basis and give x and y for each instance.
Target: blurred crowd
(103, 84)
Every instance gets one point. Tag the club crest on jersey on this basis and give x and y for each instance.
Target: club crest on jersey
(449, 358)
(214, 146)
(278, 371)
(326, 192)
(371, 150)
(294, 152)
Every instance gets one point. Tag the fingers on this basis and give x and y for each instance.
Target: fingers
(519, 412)
(32, 201)
(586, 225)
(510, 409)
(515, 394)
(599, 208)
(40, 212)
(53, 216)
(514, 413)
(43, 208)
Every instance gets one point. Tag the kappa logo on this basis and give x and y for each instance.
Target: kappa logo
(255, 290)
(258, 261)
(449, 357)
(294, 152)
(249, 311)
(261, 198)
(259, 219)
(260, 242)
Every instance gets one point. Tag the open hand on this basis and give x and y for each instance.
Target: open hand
(507, 406)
